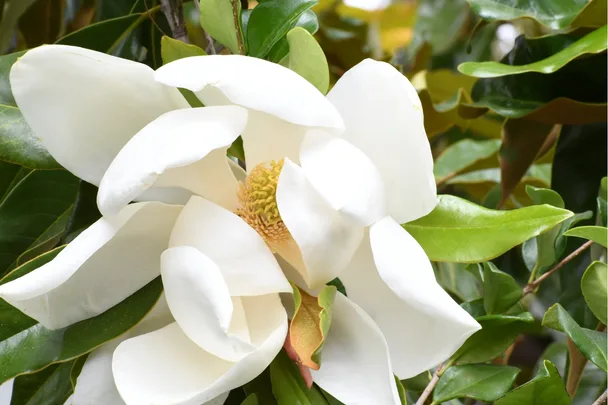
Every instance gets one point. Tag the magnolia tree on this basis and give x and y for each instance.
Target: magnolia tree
(302, 202)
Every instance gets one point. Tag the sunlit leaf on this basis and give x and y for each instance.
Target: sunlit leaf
(217, 19)
(594, 285)
(307, 58)
(598, 234)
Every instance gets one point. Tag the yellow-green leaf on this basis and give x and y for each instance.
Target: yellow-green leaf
(217, 18)
(172, 49)
(307, 59)
(594, 285)
(598, 234)
(310, 324)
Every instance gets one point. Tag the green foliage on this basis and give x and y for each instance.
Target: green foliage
(594, 286)
(307, 58)
(546, 388)
(288, 386)
(217, 18)
(483, 382)
(500, 290)
(598, 234)
(461, 155)
(50, 386)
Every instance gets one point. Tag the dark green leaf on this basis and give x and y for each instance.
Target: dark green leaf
(77, 366)
(594, 286)
(458, 230)
(546, 388)
(50, 386)
(289, 387)
(548, 98)
(598, 234)
(497, 333)
(84, 213)
(500, 290)
(251, 400)
(270, 21)
(483, 382)
(34, 347)
(593, 42)
(591, 343)
(35, 211)
(553, 14)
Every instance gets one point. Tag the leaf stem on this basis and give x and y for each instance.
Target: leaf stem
(575, 371)
(602, 398)
(431, 385)
(533, 285)
(237, 25)
(174, 11)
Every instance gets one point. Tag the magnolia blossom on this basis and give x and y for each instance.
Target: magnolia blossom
(369, 5)
(329, 180)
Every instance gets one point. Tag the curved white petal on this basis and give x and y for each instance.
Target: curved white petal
(109, 261)
(383, 118)
(166, 367)
(84, 105)
(246, 263)
(355, 365)
(201, 304)
(326, 240)
(253, 83)
(6, 392)
(368, 5)
(396, 286)
(182, 148)
(344, 175)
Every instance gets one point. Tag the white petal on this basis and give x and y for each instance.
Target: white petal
(325, 238)
(344, 175)
(383, 118)
(109, 261)
(165, 367)
(6, 392)
(182, 148)
(368, 5)
(355, 365)
(200, 302)
(85, 105)
(253, 83)
(246, 263)
(397, 288)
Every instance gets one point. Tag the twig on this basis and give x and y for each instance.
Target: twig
(431, 385)
(174, 12)
(602, 399)
(533, 285)
(237, 26)
(575, 371)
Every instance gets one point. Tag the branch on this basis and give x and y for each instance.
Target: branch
(532, 286)
(575, 371)
(237, 25)
(602, 399)
(174, 12)
(429, 388)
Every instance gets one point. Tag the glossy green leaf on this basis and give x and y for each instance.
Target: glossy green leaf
(35, 211)
(455, 278)
(172, 49)
(553, 14)
(591, 343)
(461, 155)
(289, 387)
(27, 346)
(307, 59)
(217, 18)
(548, 98)
(546, 388)
(497, 333)
(84, 213)
(483, 382)
(50, 386)
(18, 144)
(500, 290)
(77, 366)
(594, 285)
(458, 230)
(598, 234)
(594, 42)
(270, 21)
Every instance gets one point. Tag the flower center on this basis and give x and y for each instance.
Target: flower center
(258, 202)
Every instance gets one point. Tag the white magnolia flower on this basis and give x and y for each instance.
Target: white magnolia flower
(330, 180)
(369, 5)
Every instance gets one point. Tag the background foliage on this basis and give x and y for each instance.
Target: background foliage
(514, 97)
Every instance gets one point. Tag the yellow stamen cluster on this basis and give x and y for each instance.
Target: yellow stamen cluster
(258, 202)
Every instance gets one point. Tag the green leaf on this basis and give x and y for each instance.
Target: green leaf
(50, 386)
(461, 155)
(483, 382)
(77, 366)
(289, 387)
(172, 49)
(34, 211)
(310, 324)
(458, 230)
(307, 59)
(548, 98)
(593, 42)
(551, 13)
(545, 196)
(598, 234)
(217, 19)
(546, 388)
(591, 343)
(594, 285)
(270, 21)
(251, 400)
(455, 278)
(26, 346)
(497, 333)
(500, 290)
